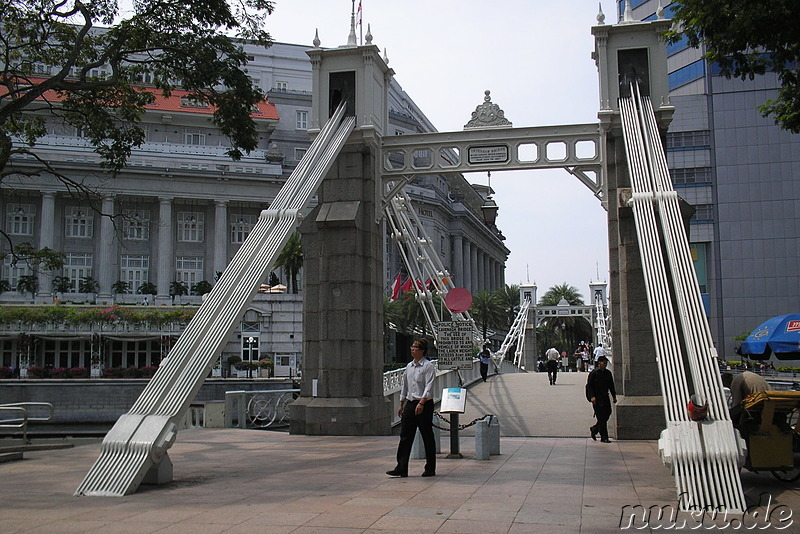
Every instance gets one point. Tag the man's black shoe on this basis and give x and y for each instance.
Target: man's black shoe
(594, 433)
(394, 473)
(428, 474)
(605, 440)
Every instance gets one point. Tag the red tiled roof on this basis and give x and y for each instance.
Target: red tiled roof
(172, 103)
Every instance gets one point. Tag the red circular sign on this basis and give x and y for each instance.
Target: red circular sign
(458, 300)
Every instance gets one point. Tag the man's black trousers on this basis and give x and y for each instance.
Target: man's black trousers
(409, 423)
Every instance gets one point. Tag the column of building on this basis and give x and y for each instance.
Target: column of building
(106, 253)
(165, 250)
(220, 236)
(458, 261)
(47, 240)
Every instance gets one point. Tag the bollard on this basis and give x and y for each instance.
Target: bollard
(418, 448)
(494, 436)
(455, 445)
(482, 440)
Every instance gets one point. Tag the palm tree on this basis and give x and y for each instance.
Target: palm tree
(487, 310)
(291, 259)
(565, 332)
(509, 300)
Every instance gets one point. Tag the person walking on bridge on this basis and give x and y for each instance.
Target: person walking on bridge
(416, 411)
(599, 384)
(552, 364)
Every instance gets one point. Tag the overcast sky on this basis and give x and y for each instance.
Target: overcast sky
(535, 57)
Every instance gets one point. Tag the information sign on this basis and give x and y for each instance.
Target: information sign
(454, 343)
(488, 154)
(454, 400)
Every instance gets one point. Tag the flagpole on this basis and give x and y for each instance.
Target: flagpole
(360, 24)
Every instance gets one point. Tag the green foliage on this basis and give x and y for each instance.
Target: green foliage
(291, 259)
(62, 284)
(563, 333)
(28, 284)
(148, 288)
(86, 315)
(178, 288)
(201, 288)
(747, 38)
(87, 284)
(487, 311)
(509, 300)
(120, 286)
(4, 286)
(26, 254)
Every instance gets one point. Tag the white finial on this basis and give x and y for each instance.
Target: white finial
(601, 17)
(368, 37)
(628, 13)
(385, 57)
(351, 39)
(316, 41)
(660, 10)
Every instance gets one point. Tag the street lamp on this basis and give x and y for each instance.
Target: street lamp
(489, 207)
(250, 341)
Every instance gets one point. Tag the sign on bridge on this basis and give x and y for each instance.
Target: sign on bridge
(454, 343)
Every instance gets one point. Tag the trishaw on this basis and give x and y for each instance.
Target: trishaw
(768, 422)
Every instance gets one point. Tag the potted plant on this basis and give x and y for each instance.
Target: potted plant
(5, 372)
(265, 368)
(232, 360)
(78, 372)
(36, 372)
(148, 288)
(58, 372)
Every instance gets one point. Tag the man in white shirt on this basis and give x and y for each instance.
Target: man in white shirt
(416, 411)
(552, 364)
(599, 351)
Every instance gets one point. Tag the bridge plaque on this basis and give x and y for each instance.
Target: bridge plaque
(488, 154)
(454, 342)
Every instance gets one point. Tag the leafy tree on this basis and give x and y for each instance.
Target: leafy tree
(748, 38)
(147, 288)
(509, 300)
(291, 259)
(202, 287)
(79, 63)
(178, 289)
(28, 284)
(563, 332)
(62, 284)
(120, 286)
(487, 311)
(87, 284)
(45, 258)
(4, 286)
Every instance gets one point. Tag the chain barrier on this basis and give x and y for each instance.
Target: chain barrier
(465, 425)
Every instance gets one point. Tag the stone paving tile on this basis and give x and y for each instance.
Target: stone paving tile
(462, 526)
(408, 524)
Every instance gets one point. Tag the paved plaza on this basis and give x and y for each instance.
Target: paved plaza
(249, 481)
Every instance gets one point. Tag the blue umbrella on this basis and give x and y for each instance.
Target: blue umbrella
(779, 335)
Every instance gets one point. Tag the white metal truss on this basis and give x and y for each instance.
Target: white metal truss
(139, 440)
(428, 275)
(578, 148)
(600, 327)
(706, 456)
(515, 335)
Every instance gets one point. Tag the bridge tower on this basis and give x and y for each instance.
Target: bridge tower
(625, 52)
(342, 389)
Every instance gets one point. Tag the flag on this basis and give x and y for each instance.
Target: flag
(408, 285)
(358, 14)
(396, 286)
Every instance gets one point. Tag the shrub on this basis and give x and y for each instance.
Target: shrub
(149, 371)
(266, 363)
(113, 372)
(36, 372)
(5, 372)
(131, 372)
(58, 372)
(78, 372)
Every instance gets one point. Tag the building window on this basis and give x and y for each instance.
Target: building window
(189, 269)
(79, 222)
(299, 153)
(192, 102)
(194, 138)
(689, 73)
(129, 353)
(191, 226)
(66, 353)
(704, 213)
(693, 140)
(250, 347)
(282, 86)
(240, 228)
(301, 120)
(136, 224)
(20, 218)
(77, 266)
(12, 272)
(691, 176)
(135, 270)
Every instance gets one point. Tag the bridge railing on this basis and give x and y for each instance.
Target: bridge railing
(16, 416)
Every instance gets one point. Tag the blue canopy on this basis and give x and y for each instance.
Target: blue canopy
(779, 335)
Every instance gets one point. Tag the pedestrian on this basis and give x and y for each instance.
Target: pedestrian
(742, 386)
(599, 384)
(145, 302)
(599, 351)
(485, 356)
(416, 411)
(552, 364)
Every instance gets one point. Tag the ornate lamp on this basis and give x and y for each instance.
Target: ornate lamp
(489, 207)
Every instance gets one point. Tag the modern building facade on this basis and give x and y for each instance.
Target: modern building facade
(181, 211)
(741, 173)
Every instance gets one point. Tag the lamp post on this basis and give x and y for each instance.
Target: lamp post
(250, 341)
